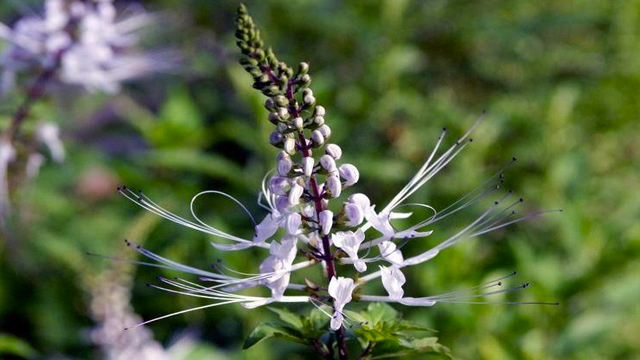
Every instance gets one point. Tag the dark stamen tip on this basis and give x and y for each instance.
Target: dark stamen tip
(514, 158)
(495, 203)
(149, 285)
(444, 129)
(470, 140)
(499, 283)
(521, 200)
(525, 285)
(126, 329)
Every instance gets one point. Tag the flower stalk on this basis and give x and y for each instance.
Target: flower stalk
(297, 197)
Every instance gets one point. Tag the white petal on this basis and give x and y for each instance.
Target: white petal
(409, 301)
(336, 320)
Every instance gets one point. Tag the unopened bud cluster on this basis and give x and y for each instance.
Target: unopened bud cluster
(299, 130)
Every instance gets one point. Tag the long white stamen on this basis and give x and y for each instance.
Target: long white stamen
(183, 312)
(193, 199)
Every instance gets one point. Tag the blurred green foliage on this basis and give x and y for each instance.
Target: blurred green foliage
(560, 81)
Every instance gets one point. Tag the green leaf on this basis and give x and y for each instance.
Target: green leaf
(11, 345)
(315, 324)
(294, 320)
(192, 160)
(180, 122)
(379, 312)
(411, 347)
(406, 325)
(271, 330)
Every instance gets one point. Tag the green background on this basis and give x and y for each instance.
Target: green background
(560, 81)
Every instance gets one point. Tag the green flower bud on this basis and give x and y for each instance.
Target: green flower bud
(281, 100)
(303, 68)
(283, 113)
(290, 146)
(298, 123)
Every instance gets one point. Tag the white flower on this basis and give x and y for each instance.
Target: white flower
(267, 227)
(7, 155)
(390, 252)
(292, 223)
(325, 130)
(328, 163)
(392, 280)
(316, 137)
(295, 193)
(279, 262)
(349, 173)
(354, 214)
(49, 135)
(340, 289)
(278, 185)
(99, 56)
(284, 166)
(307, 165)
(349, 242)
(334, 186)
(326, 221)
(290, 145)
(334, 151)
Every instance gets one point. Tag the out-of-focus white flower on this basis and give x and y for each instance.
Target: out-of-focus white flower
(85, 41)
(34, 163)
(49, 135)
(7, 155)
(340, 289)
